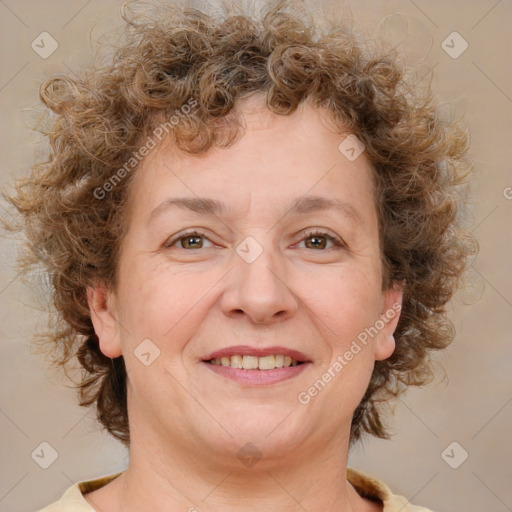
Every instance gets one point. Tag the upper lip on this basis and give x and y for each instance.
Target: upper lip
(246, 350)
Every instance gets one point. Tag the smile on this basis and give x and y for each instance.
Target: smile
(255, 363)
(257, 376)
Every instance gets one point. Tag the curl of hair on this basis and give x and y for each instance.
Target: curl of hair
(173, 54)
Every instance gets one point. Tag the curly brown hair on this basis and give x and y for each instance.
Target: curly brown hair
(173, 54)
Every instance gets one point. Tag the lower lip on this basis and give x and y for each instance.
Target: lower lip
(257, 377)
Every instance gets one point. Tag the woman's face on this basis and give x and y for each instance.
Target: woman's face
(259, 274)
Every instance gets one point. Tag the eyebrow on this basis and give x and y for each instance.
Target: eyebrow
(299, 206)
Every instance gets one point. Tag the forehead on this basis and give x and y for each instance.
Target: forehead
(276, 161)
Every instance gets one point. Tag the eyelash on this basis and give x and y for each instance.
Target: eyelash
(338, 242)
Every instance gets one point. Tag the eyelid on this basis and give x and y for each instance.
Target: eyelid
(335, 239)
(304, 234)
(189, 233)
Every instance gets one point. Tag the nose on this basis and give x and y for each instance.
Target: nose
(259, 289)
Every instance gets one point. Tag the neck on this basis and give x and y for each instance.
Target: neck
(179, 478)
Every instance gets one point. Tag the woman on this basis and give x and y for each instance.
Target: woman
(251, 231)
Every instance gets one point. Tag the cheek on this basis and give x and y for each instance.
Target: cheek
(160, 314)
(165, 305)
(354, 307)
(350, 304)
(348, 312)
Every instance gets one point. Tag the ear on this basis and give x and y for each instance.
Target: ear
(101, 305)
(389, 316)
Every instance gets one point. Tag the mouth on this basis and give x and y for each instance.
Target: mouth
(263, 363)
(250, 366)
(251, 358)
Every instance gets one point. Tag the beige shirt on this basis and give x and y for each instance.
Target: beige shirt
(367, 486)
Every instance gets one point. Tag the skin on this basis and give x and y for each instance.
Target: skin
(187, 423)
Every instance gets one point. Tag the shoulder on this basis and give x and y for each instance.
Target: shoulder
(373, 488)
(366, 485)
(73, 500)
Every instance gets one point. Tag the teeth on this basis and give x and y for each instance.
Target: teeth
(250, 362)
(255, 362)
(236, 361)
(267, 363)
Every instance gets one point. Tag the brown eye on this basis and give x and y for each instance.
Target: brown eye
(197, 242)
(319, 240)
(191, 240)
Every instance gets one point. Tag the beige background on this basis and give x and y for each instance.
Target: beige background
(471, 406)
